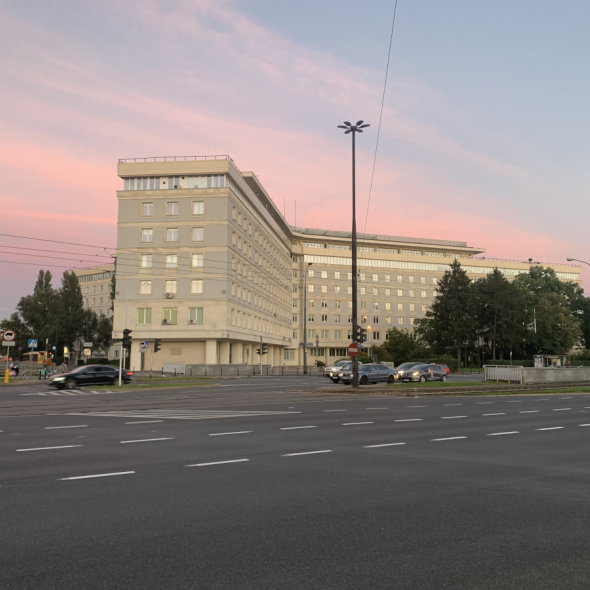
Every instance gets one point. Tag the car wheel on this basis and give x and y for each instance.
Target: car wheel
(363, 380)
(70, 384)
(335, 380)
(391, 379)
(422, 379)
(443, 378)
(114, 381)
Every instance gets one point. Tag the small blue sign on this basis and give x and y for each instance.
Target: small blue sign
(32, 343)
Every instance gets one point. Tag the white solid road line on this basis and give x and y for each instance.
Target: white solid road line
(452, 417)
(356, 423)
(566, 397)
(481, 403)
(529, 411)
(449, 438)
(334, 410)
(124, 442)
(544, 399)
(514, 401)
(410, 420)
(296, 427)
(383, 445)
(307, 453)
(226, 433)
(501, 433)
(452, 404)
(415, 406)
(496, 414)
(551, 428)
(49, 448)
(145, 422)
(98, 475)
(76, 426)
(388, 408)
(560, 409)
(218, 463)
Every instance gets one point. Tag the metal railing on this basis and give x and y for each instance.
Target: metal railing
(175, 159)
(508, 373)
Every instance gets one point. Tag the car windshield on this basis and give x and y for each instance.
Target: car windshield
(420, 367)
(406, 366)
(79, 369)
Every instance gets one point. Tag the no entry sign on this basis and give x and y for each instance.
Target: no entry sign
(353, 349)
(8, 335)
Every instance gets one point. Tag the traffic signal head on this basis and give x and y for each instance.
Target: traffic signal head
(127, 338)
(362, 335)
(157, 344)
(264, 349)
(258, 351)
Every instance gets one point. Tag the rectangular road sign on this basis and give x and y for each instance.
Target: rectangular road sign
(7, 343)
(87, 352)
(32, 343)
(87, 344)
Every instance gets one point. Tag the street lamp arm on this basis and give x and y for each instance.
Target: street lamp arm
(576, 260)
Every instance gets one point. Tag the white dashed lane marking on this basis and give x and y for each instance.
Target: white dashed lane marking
(448, 438)
(297, 427)
(98, 475)
(306, 453)
(453, 404)
(551, 428)
(482, 403)
(57, 427)
(334, 410)
(384, 445)
(496, 414)
(501, 433)
(124, 442)
(452, 417)
(529, 411)
(411, 420)
(217, 463)
(48, 448)
(144, 422)
(228, 433)
(560, 409)
(356, 423)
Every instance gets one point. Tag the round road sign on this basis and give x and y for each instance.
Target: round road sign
(143, 344)
(9, 335)
(353, 349)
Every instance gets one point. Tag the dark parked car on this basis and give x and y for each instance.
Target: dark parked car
(423, 373)
(399, 371)
(90, 375)
(369, 374)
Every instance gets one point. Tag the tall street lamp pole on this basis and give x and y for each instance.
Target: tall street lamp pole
(576, 260)
(354, 129)
(305, 318)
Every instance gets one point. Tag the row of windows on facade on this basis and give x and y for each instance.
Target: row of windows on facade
(259, 238)
(337, 334)
(97, 276)
(169, 315)
(382, 250)
(170, 261)
(289, 353)
(196, 287)
(155, 183)
(259, 259)
(269, 273)
(172, 208)
(364, 319)
(147, 234)
(311, 317)
(262, 302)
(363, 291)
(96, 288)
(363, 276)
(241, 319)
(363, 305)
(99, 300)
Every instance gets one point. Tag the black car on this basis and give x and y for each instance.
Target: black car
(90, 375)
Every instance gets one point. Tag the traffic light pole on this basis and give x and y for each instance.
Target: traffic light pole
(121, 363)
(260, 355)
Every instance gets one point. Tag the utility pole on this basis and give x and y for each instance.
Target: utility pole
(354, 129)
(305, 318)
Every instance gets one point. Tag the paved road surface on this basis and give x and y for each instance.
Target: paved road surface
(300, 492)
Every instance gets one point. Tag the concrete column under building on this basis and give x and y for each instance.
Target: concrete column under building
(238, 353)
(224, 349)
(211, 352)
(278, 361)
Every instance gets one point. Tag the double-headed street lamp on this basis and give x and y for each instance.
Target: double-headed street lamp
(354, 129)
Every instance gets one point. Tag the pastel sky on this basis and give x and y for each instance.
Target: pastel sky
(485, 134)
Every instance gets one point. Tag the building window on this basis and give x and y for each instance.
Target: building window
(363, 276)
(197, 260)
(172, 234)
(364, 319)
(198, 208)
(412, 321)
(400, 307)
(337, 334)
(198, 234)
(336, 288)
(388, 306)
(375, 320)
(145, 261)
(155, 184)
(350, 290)
(412, 307)
(147, 209)
(289, 354)
(170, 315)
(170, 286)
(400, 278)
(325, 334)
(423, 280)
(424, 308)
(434, 280)
(412, 293)
(363, 290)
(233, 238)
(400, 321)
(324, 303)
(324, 288)
(423, 293)
(311, 333)
(144, 315)
(145, 287)
(337, 319)
(324, 274)
(171, 260)
(375, 278)
(147, 235)
(376, 336)
(388, 292)
(375, 305)
(195, 315)
(388, 320)
(349, 335)
(311, 288)
(324, 318)
(363, 305)
(337, 304)
(310, 303)
(294, 302)
(387, 278)
(233, 213)
(411, 279)
(172, 208)
(400, 293)
(311, 317)
(294, 287)
(294, 317)
(337, 274)
(196, 285)
(375, 290)
(350, 276)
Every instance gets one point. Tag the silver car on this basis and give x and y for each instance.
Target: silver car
(338, 365)
(423, 373)
(369, 374)
(334, 373)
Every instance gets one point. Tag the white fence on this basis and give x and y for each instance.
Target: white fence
(174, 368)
(509, 373)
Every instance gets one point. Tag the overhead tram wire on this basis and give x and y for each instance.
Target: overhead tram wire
(56, 242)
(381, 114)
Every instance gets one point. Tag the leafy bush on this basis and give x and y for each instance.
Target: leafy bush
(523, 363)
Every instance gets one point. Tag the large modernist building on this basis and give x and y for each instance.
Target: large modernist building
(207, 263)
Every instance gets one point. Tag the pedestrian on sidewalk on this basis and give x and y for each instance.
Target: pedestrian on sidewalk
(63, 368)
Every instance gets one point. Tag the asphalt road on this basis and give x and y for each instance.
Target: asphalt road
(300, 492)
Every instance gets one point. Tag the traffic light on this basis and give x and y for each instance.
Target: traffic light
(355, 334)
(362, 335)
(264, 349)
(127, 338)
(157, 344)
(258, 351)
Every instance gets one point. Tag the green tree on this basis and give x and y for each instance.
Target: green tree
(72, 316)
(399, 345)
(449, 324)
(558, 328)
(38, 311)
(103, 335)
